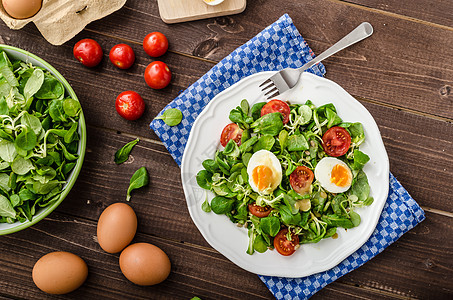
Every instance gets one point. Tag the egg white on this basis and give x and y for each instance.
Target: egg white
(323, 173)
(268, 159)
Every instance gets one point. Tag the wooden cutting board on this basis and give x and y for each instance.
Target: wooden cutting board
(174, 11)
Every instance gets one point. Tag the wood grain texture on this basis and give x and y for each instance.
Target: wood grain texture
(400, 75)
(440, 13)
(392, 63)
(175, 11)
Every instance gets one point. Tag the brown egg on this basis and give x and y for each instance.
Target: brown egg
(116, 227)
(22, 9)
(144, 264)
(59, 272)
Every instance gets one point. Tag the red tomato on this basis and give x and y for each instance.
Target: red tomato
(301, 179)
(155, 44)
(130, 105)
(88, 52)
(259, 211)
(231, 132)
(336, 141)
(276, 106)
(283, 246)
(157, 75)
(122, 56)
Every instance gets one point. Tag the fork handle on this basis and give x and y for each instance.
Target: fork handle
(362, 31)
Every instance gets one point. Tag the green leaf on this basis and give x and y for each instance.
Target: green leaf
(205, 206)
(204, 179)
(4, 110)
(56, 111)
(71, 134)
(31, 122)
(305, 113)
(7, 151)
(245, 106)
(4, 180)
(270, 124)
(21, 166)
(270, 225)
(50, 89)
(297, 142)
(171, 117)
(71, 107)
(138, 180)
(266, 142)
(259, 244)
(6, 209)
(360, 159)
(222, 205)
(256, 110)
(122, 154)
(34, 83)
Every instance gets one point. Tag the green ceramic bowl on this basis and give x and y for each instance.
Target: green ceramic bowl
(16, 53)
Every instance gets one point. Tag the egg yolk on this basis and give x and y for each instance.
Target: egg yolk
(340, 176)
(262, 177)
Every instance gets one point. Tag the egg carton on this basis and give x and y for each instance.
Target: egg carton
(60, 20)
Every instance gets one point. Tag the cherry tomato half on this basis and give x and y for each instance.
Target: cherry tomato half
(130, 105)
(122, 56)
(283, 246)
(336, 141)
(301, 179)
(259, 211)
(157, 75)
(231, 132)
(88, 52)
(276, 106)
(155, 44)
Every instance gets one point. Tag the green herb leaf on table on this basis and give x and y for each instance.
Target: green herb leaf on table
(123, 153)
(171, 117)
(138, 180)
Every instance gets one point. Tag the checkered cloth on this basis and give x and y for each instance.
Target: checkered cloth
(279, 46)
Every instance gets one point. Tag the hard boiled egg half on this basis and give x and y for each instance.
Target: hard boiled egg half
(264, 171)
(333, 174)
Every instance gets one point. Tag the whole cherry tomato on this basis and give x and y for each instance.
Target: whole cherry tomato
(155, 44)
(130, 105)
(157, 75)
(122, 56)
(88, 52)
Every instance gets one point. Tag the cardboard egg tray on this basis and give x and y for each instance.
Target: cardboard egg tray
(60, 20)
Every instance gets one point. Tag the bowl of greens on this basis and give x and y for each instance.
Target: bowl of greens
(42, 139)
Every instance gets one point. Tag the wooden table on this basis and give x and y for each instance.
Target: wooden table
(402, 74)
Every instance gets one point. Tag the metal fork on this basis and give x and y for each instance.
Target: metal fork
(288, 78)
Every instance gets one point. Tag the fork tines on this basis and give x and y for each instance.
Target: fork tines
(268, 87)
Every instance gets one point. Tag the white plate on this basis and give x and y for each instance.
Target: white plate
(231, 240)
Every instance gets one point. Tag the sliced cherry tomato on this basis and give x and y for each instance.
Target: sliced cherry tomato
(276, 106)
(231, 132)
(130, 105)
(155, 44)
(122, 56)
(283, 246)
(301, 179)
(88, 52)
(157, 75)
(259, 211)
(336, 141)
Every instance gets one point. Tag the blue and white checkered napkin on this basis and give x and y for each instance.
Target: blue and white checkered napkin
(279, 46)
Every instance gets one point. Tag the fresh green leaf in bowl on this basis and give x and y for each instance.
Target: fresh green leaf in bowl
(39, 139)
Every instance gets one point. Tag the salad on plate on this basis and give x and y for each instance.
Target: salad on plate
(290, 174)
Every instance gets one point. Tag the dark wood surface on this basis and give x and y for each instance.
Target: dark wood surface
(402, 74)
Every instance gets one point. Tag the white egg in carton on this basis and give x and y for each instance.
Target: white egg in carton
(60, 20)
